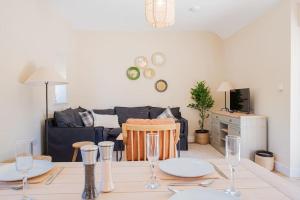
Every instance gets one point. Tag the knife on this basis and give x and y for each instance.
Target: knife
(219, 171)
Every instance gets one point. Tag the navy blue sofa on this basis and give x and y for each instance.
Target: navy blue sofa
(60, 137)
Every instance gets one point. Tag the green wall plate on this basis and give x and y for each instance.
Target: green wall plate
(133, 73)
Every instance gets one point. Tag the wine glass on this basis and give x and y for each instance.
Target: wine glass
(152, 156)
(24, 162)
(233, 157)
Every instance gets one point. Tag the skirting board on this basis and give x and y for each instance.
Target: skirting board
(191, 139)
(290, 172)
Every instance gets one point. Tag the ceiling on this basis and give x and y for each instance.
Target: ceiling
(223, 17)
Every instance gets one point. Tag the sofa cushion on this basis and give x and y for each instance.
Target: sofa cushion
(156, 111)
(104, 111)
(77, 116)
(176, 112)
(125, 113)
(67, 118)
(150, 121)
(87, 118)
(166, 114)
(108, 121)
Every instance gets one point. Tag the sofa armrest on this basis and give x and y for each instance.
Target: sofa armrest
(183, 126)
(60, 141)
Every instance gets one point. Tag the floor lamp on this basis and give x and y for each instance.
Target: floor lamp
(225, 87)
(46, 77)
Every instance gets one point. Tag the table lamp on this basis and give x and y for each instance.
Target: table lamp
(225, 86)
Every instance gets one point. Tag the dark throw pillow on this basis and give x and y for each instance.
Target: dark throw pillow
(104, 111)
(125, 113)
(67, 118)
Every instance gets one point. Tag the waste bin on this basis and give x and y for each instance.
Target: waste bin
(265, 159)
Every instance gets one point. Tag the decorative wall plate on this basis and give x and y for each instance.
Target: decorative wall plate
(161, 85)
(158, 59)
(141, 61)
(133, 73)
(149, 73)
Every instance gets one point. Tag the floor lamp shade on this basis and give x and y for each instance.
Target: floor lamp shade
(45, 75)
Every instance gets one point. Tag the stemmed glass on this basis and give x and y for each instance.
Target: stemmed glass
(152, 142)
(233, 157)
(24, 162)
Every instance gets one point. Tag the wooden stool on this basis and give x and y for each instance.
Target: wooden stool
(77, 146)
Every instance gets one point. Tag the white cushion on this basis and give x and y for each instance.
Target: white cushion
(107, 121)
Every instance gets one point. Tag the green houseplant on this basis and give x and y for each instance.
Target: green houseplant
(203, 102)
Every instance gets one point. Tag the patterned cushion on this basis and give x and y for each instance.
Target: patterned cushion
(87, 118)
(125, 113)
(77, 116)
(156, 111)
(166, 114)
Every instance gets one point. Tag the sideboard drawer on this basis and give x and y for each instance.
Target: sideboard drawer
(229, 120)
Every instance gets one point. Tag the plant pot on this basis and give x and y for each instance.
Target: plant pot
(202, 137)
(265, 159)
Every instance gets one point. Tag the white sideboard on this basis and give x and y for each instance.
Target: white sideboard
(251, 128)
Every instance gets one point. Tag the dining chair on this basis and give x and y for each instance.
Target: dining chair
(134, 138)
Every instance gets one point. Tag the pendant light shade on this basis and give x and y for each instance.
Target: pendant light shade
(160, 13)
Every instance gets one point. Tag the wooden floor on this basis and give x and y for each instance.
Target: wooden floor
(208, 152)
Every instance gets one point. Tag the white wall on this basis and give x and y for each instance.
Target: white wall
(30, 36)
(258, 57)
(99, 62)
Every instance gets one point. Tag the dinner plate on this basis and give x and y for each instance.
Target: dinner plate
(8, 172)
(186, 167)
(196, 194)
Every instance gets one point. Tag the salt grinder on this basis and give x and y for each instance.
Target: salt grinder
(89, 158)
(106, 151)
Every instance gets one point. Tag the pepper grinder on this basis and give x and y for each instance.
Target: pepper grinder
(89, 158)
(106, 151)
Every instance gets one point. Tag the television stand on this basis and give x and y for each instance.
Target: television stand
(250, 127)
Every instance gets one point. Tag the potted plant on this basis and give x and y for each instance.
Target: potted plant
(203, 102)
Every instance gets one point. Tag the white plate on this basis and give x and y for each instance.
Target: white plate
(186, 167)
(8, 172)
(196, 194)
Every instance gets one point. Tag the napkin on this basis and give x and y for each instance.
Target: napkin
(164, 176)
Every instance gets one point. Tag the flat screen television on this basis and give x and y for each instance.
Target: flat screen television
(240, 100)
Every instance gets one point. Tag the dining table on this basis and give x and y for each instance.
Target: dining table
(130, 177)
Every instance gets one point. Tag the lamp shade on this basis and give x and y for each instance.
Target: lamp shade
(45, 75)
(224, 87)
